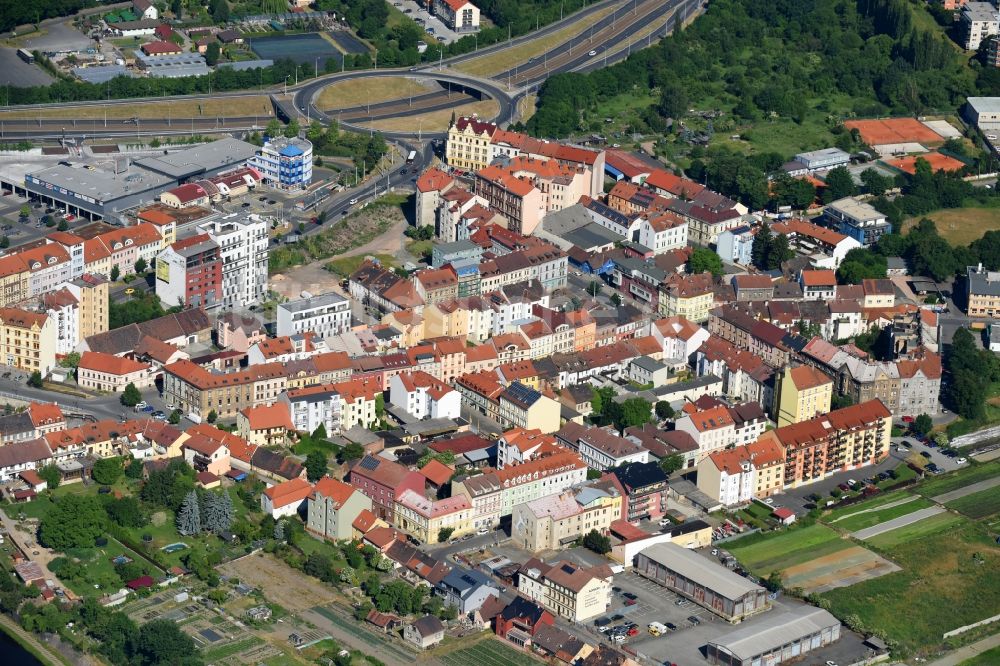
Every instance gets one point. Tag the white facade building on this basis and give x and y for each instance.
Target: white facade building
(242, 241)
(326, 316)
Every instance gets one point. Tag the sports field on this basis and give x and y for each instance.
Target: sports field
(490, 652)
(961, 226)
(894, 130)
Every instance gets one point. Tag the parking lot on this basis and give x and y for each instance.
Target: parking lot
(431, 23)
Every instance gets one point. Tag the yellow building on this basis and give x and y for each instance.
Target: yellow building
(13, 280)
(91, 291)
(551, 522)
(468, 144)
(424, 519)
(410, 324)
(688, 296)
(804, 392)
(27, 340)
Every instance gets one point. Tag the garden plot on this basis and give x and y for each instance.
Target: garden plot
(279, 582)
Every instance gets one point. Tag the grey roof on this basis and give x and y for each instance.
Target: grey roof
(246, 64)
(464, 581)
(984, 104)
(588, 494)
(560, 222)
(428, 625)
(648, 364)
(856, 210)
(102, 185)
(895, 263)
(699, 382)
(13, 424)
(701, 570)
(101, 73)
(312, 303)
(983, 282)
(775, 630)
(591, 236)
(201, 159)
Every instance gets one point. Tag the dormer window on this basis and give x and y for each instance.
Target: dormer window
(128, 241)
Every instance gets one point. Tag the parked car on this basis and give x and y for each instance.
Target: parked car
(926, 454)
(616, 618)
(693, 619)
(632, 632)
(629, 595)
(631, 602)
(843, 487)
(962, 461)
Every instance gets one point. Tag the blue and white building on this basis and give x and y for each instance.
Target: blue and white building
(736, 245)
(857, 220)
(285, 164)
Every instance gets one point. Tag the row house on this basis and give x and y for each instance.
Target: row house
(554, 521)
(468, 144)
(639, 280)
(431, 186)
(384, 482)
(507, 144)
(679, 338)
(570, 591)
(712, 429)
(762, 338)
(688, 296)
(381, 290)
(753, 287)
(820, 285)
(36, 421)
(625, 225)
(48, 266)
(745, 377)
(632, 199)
(286, 348)
(518, 446)
(543, 262)
(514, 197)
(561, 185)
(434, 285)
(424, 518)
(27, 340)
(824, 246)
(423, 396)
(643, 488)
(600, 448)
(737, 476)
(707, 216)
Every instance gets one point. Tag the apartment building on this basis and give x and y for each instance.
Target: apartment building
(643, 487)
(325, 316)
(803, 392)
(600, 448)
(554, 521)
(384, 482)
(332, 508)
(111, 374)
(688, 296)
(980, 20)
(514, 197)
(823, 245)
(468, 144)
(422, 396)
(424, 518)
(712, 429)
(983, 292)
(738, 475)
(242, 241)
(858, 220)
(27, 340)
(91, 292)
(569, 590)
(189, 273)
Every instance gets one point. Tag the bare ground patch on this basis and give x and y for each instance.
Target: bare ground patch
(841, 569)
(280, 583)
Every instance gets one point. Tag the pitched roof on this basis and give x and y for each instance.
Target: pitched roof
(22, 318)
(288, 492)
(110, 364)
(437, 472)
(337, 491)
(807, 377)
(267, 417)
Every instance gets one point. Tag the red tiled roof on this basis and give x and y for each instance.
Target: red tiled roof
(268, 417)
(288, 492)
(110, 364)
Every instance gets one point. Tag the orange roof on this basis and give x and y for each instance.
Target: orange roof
(44, 413)
(437, 472)
(288, 492)
(937, 162)
(12, 265)
(433, 180)
(712, 419)
(22, 318)
(676, 185)
(338, 491)
(268, 417)
(819, 278)
(94, 250)
(365, 520)
(110, 364)
(807, 377)
(42, 256)
(156, 217)
(520, 187)
(540, 467)
(814, 231)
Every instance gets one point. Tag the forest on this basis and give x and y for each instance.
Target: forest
(782, 58)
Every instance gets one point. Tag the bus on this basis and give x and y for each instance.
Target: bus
(412, 156)
(26, 55)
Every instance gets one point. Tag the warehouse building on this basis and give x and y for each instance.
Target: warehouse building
(775, 639)
(96, 193)
(701, 580)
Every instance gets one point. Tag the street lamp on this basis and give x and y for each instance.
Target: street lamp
(286, 83)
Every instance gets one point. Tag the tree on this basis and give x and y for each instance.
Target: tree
(597, 542)
(445, 533)
(4, 242)
(115, 273)
(292, 129)
(875, 183)
(839, 184)
(25, 210)
(175, 417)
(134, 469)
(35, 379)
(316, 466)
(594, 288)
(353, 451)
(213, 416)
(163, 642)
(664, 410)
(631, 412)
(177, 7)
(320, 432)
(189, 517)
(761, 246)
(672, 463)
(70, 360)
(861, 264)
(922, 425)
(50, 475)
(212, 53)
(62, 226)
(220, 11)
(673, 100)
(126, 511)
(779, 252)
(130, 396)
(107, 470)
(140, 266)
(217, 512)
(273, 128)
(74, 522)
(600, 399)
(704, 260)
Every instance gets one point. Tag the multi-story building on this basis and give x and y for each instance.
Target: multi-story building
(27, 340)
(734, 246)
(63, 307)
(819, 285)
(643, 487)
(754, 287)
(458, 15)
(434, 285)
(803, 392)
(424, 518)
(468, 145)
(384, 482)
(983, 292)
(844, 439)
(688, 296)
(569, 590)
(551, 522)
(521, 407)
(333, 507)
(600, 448)
(980, 20)
(242, 241)
(823, 245)
(712, 429)
(285, 164)
(91, 292)
(423, 396)
(326, 316)
(189, 273)
(48, 265)
(516, 198)
(105, 372)
(857, 219)
(736, 476)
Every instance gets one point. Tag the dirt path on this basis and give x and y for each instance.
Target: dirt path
(958, 656)
(905, 500)
(967, 490)
(896, 523)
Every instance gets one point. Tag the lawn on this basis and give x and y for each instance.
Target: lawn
(955, 480)
(249, 105)
(940, 588)
(435, 121)
(781, 550)
(420, 249)
(878, 500)
(489, 652)
(961, 226)
(863, 520)
(347, 265)
(915, 531)
(357, 92)
(978, 505)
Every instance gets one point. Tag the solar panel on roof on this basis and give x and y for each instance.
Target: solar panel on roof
(369, 463)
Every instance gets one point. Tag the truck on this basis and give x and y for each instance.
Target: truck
(412, 156)
(657, 628)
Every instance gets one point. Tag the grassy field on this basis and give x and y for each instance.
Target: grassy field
(436, 121)
(420, 248)
(488, 653)
(249, 105)
(915, 531)
(955, 480)
(356, 92)
(961, 226)
(940, 588)
(787, 549)
(500, 61)
(863, 520)
(978, 505)
(878, 500)
(347, 265)
(526, 107)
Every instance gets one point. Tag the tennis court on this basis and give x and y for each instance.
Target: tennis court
(894, 130)
(347, 42)
(303, 49)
